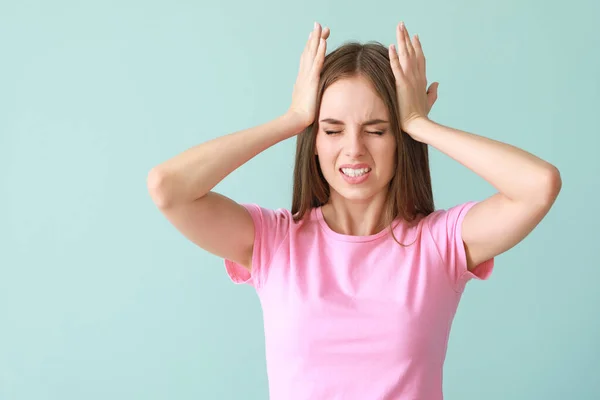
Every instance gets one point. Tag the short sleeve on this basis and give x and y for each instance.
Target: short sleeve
(445, 227)
(270, 229)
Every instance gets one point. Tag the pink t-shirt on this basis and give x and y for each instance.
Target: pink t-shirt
(357, 317)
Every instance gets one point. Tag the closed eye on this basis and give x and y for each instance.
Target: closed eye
(378, 133)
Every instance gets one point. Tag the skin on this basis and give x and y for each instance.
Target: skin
(355, 209)
(527, 186)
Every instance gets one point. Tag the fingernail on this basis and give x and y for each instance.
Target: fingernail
(315, 25)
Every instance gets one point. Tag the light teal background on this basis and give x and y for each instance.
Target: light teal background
(101, 298)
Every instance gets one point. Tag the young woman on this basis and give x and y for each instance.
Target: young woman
(359, 282)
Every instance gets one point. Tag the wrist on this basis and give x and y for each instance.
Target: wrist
(296, 121)
(417, 128)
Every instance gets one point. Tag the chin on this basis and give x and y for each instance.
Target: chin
(362, 192)
(356, 194)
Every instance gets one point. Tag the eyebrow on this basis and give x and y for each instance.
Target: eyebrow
(369, 122)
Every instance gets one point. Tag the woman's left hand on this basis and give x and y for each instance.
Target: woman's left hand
(408, 64)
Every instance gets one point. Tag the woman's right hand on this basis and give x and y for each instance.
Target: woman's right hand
(304, 97)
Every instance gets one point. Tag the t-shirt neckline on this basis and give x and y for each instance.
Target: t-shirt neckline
(348, 238)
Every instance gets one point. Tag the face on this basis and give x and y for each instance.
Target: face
(355, 144)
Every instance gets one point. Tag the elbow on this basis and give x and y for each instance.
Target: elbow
(551, 185)
(554, 182)
(156, 182)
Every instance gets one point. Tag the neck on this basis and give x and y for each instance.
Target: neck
(353, 217)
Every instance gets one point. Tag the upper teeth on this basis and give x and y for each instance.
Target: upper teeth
(355, 172)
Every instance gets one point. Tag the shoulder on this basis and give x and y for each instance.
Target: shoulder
(268, 214)
(276, 224)
(448, 219)
(271, 230)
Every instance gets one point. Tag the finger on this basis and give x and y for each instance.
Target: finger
(306, 59)
(433, 89)
(409, 47)
(314, 42)
(401, 49)
(418, 62)
(325, 33)
(432, 95)
(395, 64)
(319, 58)
(307, 45)
(310, 39)
(421, 62)
(305, 52)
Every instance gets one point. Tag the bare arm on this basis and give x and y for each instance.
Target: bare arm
(527, 185)
(193, 173)
(527, 188)
(181, 187)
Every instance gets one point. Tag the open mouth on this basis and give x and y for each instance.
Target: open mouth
(355, 175)
(355, 172)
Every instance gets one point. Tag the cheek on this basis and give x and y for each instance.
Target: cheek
(387, 157)
(319, 144)
(325, 161)
(324, 150)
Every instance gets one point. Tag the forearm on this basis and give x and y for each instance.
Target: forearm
(517, 174)
(193, 173)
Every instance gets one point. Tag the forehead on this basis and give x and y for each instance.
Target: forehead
(352, 99)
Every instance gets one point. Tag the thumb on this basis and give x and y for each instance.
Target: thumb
(433, 88)
(432, 94)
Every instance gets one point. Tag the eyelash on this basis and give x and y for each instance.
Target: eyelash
(378, 133)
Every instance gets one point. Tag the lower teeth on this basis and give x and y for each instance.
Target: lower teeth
(355, 176)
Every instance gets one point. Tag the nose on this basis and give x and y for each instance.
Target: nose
(354, 145)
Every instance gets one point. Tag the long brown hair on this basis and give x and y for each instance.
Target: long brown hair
(410, 192)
